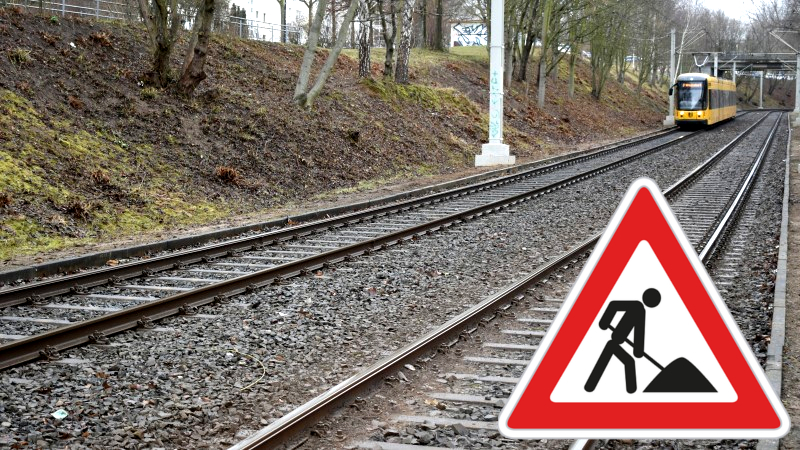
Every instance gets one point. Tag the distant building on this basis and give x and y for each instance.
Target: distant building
(264, 17)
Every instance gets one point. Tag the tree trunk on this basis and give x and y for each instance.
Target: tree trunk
(571, 80)
(401, 72)
(653, 75)
(192, 41)
(193, 73)
(771, 85)
(749, 97)
(364, 63)
(284, 31)
(353, 34)
(333, 21)
(525, 55)
(371, 36)
(310, 16)
(424, 15)
(540, 90)
(439, 34)
(621, 68)
(388, 37)
(508, 57)
(311, 49)
(307, 99)
(523, 65)
(161, 72)
(162, 23)
(541, 77)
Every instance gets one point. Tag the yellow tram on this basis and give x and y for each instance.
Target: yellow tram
(703, 100)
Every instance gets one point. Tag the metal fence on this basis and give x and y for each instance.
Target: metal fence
(128, 10)
(262, 31)
(99, 9)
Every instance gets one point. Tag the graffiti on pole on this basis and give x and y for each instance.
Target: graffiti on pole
(469, 34)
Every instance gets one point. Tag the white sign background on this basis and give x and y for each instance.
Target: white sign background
(670, 333)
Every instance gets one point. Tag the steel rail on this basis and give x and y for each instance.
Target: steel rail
(717, 237)
(63, 285)
(282, 430)
(47, 344)
(99, 259)
(737, 205)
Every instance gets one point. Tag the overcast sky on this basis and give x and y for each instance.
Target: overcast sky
(736, 9)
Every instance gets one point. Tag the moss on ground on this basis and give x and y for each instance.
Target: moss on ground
(434, 98)
(34, 147)
(94, 155)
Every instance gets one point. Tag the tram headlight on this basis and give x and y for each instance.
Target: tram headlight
(699, 113)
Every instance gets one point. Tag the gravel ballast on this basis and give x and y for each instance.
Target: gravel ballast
(187, 383)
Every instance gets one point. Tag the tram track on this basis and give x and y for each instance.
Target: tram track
(60, 285)
(140, 307)
(713, 182)
(188, 381)
(154, 250)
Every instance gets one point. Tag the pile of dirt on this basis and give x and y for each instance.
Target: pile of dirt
(88, 153)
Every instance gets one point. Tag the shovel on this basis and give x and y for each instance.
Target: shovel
(678, 376)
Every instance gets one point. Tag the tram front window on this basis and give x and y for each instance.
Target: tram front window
(691, 95)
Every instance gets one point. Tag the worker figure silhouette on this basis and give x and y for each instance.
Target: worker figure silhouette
(632, 320)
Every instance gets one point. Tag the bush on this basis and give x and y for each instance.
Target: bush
(5, 199)
(19, 56)
(149, 93)
(101, 178)
(101, 38)
(78, 209)
(75, 102)
(228, 175)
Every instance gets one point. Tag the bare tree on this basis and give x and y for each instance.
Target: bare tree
(577, 31)
(389, 35)
(645, 48)
(193, 73)
(364, 45)
(432, 15)
(608, 20)
(554, 30)
(282, 6)
(310, 5)
(401, 72)
(163, 22)
(303, 96)
(529, 28)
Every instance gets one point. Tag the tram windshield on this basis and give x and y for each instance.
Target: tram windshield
(691, 95)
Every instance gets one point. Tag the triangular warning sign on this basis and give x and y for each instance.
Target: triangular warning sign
(644, 347)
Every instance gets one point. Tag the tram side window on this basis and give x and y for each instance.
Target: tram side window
(690, 95)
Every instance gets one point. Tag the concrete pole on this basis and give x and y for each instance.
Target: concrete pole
(797, 86)
(495, 152)
(670, 120)
(716, 64)
(734, 72)
(761, 90)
